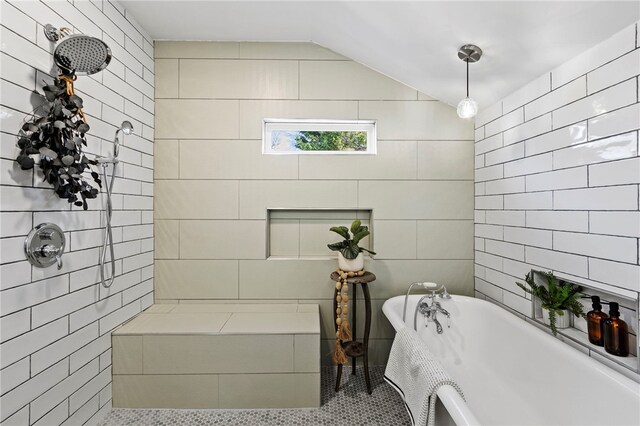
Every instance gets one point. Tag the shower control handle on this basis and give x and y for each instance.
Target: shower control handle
(48, 251)
(44, 245)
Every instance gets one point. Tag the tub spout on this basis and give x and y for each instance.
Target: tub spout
(431, 311)
(438, 325)
(444, 312)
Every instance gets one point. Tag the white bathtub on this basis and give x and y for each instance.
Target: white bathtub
(512, 373)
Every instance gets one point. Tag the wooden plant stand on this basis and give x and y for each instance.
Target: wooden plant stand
(355, 348)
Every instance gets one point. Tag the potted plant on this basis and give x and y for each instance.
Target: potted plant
(350, 257)
(558, 300)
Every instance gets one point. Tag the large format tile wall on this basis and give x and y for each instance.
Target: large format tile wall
(557, 174)
(56, 325)
(213, 185)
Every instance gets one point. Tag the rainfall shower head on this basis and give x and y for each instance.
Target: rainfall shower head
(78, 53)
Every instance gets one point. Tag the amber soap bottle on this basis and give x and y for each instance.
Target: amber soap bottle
(616, 336)
(595, 322)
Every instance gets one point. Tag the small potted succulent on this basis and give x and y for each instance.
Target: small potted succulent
(559, 299)
(350, 257)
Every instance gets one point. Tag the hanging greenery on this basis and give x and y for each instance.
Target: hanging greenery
(58, 136)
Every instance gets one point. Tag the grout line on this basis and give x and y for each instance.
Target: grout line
(298, 80)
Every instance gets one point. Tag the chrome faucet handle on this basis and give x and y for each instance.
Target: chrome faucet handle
(48, 251)
(445, 294)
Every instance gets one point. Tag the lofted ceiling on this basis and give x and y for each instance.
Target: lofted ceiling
(414, 42)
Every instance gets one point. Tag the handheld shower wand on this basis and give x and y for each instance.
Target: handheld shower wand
(127, 128)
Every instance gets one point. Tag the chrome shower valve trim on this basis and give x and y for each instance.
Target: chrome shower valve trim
(44, 245)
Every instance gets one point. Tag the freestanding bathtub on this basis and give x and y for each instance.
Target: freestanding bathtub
(512, 373)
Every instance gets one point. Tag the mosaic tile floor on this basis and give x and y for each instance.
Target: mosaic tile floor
(349, 407)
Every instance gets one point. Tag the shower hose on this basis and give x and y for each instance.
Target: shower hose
(108, 237)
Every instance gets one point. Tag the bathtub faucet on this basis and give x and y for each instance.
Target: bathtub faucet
(430, 311)
(427, 286)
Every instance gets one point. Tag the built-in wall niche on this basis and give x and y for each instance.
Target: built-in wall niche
(577, 336)
(304, 233)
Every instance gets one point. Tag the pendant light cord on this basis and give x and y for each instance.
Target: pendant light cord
(467, 61)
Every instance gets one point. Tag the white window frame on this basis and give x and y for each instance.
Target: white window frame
(272, 124)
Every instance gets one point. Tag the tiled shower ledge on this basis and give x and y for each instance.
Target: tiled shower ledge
(219, 355)
(219, 318)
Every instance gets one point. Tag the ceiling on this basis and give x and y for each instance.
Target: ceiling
(414, 42)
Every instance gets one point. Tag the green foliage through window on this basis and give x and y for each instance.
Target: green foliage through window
(331, 141)
(307, 136)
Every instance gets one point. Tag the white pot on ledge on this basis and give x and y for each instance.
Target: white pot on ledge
(351, 265)
(562, 321)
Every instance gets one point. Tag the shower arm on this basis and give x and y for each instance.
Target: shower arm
(54, 34)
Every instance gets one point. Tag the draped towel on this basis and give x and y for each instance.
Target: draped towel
(416, 375)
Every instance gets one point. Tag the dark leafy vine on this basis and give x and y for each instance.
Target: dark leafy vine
(58, 135)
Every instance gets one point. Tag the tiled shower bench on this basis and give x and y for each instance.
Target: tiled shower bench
(219, 355)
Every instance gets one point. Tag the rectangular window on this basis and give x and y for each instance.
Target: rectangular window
(291, 136)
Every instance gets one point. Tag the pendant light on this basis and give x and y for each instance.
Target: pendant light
(469, 53)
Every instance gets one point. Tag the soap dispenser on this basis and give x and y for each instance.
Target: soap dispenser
(616, 336)
(595, 322)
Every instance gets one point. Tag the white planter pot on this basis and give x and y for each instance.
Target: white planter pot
(562, 321)
(351, 265)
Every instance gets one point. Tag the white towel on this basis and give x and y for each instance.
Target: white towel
(416, 375)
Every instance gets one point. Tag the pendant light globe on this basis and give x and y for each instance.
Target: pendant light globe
(467, 108)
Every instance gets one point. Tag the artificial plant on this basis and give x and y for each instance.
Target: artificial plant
(58, 135)
(349, 246)
(557, 297)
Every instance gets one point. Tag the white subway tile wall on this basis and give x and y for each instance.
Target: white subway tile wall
(55, 362)
(576, 211)
(213, 185)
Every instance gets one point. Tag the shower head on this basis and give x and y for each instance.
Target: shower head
(78, 53)
(126, 127)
